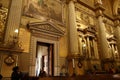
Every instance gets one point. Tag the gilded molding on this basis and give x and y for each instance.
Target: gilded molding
(117, 21)
(84, 15)
(3, 19)
(99, 10)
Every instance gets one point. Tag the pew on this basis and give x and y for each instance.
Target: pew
(83, 77)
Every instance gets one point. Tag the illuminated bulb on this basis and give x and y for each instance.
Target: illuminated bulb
(84, 45)
(16, 31)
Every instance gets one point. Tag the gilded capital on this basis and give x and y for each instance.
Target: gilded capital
(99, 9)
(99, 13)
(117, 21)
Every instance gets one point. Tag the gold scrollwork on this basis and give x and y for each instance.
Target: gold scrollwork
(9, 60)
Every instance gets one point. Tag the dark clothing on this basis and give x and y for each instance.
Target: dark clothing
(1, 76)
(42, 73)
(16, 75)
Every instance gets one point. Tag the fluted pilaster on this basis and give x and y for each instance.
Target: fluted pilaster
(101, 32)
(13, 18)
(95, 49)
(72, 28)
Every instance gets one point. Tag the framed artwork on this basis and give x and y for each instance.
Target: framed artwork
(40, 9)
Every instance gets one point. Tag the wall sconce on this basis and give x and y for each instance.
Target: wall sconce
(13, 43)
(84, 45)
(16, 31)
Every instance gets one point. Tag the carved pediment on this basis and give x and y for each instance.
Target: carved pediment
(46, 28)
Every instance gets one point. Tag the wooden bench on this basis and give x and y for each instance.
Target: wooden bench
(83, 77)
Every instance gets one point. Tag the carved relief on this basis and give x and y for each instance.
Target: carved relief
(109, 26)
(84, 15)
(108, 29)
(3, 17)
(84, 9)
(46, 29)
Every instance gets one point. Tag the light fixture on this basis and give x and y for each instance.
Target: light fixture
(16, 31)
(84, 45)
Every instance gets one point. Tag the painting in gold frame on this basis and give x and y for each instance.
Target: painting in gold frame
(43, 8)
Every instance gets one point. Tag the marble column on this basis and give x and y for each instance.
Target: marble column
(13, 19)
(117, 33)
(103, 44)
(73, 36)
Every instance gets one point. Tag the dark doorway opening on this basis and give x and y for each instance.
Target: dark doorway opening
(45, 58)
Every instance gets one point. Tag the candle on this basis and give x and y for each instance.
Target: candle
(73, 61)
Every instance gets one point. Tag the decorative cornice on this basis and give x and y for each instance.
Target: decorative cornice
(99, 7)
(111, 38)
(46, 28)
(117, 21)
(76, 57)
(117, 17)
(99, 10)
(11, 47)
(107, 60)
